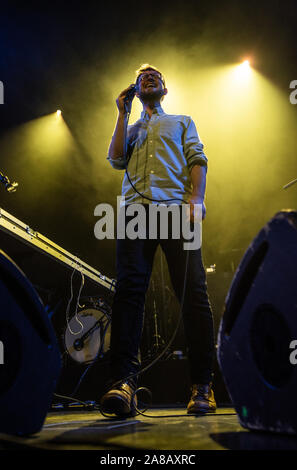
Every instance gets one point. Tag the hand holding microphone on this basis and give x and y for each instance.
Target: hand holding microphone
(130, 93)
(125, 98)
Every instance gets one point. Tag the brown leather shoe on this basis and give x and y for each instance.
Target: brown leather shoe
(119, 400)
(202, 400)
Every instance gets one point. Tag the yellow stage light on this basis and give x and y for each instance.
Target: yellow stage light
(244, 68)
(243, 72)
(59, 112)
(245, 64)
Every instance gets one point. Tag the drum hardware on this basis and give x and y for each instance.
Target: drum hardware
(10, 187)
(158, 340)
(80, 342)
(211, 269)
(290, 184)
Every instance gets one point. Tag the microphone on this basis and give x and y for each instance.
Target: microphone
(130, 93)
(78, 344)
(129, 98)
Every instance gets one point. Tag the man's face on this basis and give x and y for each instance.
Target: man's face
(150, 86)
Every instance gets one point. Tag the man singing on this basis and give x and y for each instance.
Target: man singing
(165, 163)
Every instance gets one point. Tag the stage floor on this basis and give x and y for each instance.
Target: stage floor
(89, 430)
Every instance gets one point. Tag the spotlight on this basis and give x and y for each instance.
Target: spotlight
(59, 112)
(243, 70)
(245, 64)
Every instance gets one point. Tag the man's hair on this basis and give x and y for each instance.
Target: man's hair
(145, 68)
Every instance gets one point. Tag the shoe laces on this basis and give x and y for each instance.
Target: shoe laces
(202, 391)
(123, 386)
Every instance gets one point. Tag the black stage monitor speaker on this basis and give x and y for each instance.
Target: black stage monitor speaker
(29, 357)
(259, 322)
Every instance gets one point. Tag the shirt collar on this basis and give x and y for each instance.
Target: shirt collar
(157, 110)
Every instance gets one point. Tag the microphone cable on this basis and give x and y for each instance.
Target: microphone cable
(125, 148)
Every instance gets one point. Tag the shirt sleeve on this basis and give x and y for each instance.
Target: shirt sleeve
(120, 162)
(117, 163)
(193, 147)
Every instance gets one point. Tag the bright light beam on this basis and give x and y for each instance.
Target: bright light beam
(243, 71)
(245, 65)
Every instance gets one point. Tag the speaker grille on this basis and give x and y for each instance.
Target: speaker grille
(10, 337)
(246, 280)
(270, 340)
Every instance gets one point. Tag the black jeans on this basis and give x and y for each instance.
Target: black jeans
(134, 267)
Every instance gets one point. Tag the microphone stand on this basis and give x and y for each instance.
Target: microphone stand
(10, 187)
(290, 184)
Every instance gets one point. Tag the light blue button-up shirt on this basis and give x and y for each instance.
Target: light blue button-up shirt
(162, 151)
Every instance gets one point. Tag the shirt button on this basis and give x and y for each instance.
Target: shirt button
(152, 172)
(150, 155)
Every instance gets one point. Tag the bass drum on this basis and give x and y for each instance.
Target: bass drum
(87, 334)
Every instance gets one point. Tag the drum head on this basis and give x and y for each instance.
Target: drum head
(87, 335)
